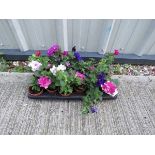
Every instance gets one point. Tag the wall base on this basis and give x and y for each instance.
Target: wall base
(16, 54)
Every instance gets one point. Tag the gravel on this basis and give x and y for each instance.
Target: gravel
(135, 70)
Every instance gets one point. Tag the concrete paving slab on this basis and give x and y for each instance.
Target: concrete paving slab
(132, 113)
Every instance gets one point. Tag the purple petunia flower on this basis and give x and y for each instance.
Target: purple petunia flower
(101, 79)
(93, 109)
(55, 47)
(77, 55)
(52, 50)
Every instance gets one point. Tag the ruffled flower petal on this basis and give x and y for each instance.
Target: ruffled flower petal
(35, 65)
(44, 82)
(109, 88)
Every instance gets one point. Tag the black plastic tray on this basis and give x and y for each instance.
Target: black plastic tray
(74, 96)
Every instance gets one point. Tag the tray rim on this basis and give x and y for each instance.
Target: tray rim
(74, 96)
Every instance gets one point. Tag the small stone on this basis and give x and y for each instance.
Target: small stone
(146, 73)
(136, 72)
(145, 68)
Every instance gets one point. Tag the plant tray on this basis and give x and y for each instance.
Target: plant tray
(74, 96)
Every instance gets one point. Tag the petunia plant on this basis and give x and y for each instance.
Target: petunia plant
(35, 85)
(98, 83)
(64, 82)
(79, 81)
(66, 73)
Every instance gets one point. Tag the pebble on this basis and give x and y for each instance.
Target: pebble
(127, 69)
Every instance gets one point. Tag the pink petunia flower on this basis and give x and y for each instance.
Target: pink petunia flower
(116, 52)
(44, 82)
(109, 88)
(65, 53)
(80, 75)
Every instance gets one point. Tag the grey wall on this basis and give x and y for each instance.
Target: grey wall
(131, 36)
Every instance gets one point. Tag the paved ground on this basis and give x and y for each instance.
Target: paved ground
(132, 113)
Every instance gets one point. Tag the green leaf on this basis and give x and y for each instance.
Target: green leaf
(116, 81)
(85, 110)
(62, 83)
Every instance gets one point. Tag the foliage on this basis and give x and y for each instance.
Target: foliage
(67, 70)
(3, 64)
(93, 96)
(64, 82)
(20, 69)
(117, 69)
(94, 93)
(34, 84)
(78, 82)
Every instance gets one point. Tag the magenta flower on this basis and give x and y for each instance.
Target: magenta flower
(44, 82)
(52, 50)
(65, 53)
(109, 88)
(55, 47)
(116, 52)
(80, 75)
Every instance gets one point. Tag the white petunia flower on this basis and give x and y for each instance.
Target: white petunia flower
(53, 70)
(35, 65)
(61, 67)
